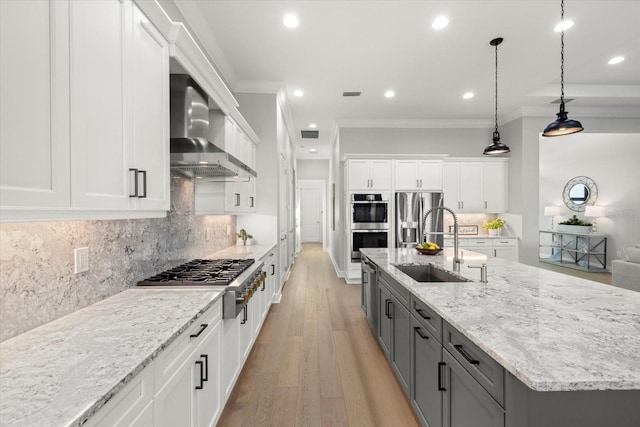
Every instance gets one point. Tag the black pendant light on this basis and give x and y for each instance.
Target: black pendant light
(562, 125)
(497, 147)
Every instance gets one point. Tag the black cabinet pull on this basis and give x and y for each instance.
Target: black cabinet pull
(206, 367)
(273, 269)
(419, 332)
(244, 315)
(386, 307)
(251, 201)
(135, 182)
(390, 316)
(465, 355)
(202, 328)
(440, 366)
(144, 184)
(421, 313)
(201, 386)
(237, 199)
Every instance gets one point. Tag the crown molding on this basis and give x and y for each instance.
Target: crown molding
(416, 124)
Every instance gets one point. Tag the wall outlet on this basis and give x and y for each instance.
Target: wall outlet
(81, 260)
(207, 234)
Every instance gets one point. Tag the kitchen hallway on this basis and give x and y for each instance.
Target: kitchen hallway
(316, 361)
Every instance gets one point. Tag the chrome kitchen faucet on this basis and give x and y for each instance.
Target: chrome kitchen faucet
(456, 259)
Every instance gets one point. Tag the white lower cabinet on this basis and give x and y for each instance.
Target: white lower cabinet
(504, 248)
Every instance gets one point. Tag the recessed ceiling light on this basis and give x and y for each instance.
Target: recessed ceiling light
(312, 125)
(313, 150)
(290, 20)
(389, 94)
(616, 60)
(298, 92)
(440, 22)
(468, 95)
(563, 26)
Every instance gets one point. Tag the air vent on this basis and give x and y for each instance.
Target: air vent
(351, 93)
(566, 101)
(310, 134)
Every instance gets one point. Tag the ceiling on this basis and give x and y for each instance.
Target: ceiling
(374, 46)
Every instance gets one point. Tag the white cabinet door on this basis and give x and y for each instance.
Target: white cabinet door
(34, 105)
(101, 125)
(380, 174)
(231, 361)
(451, 185)
(407, 177)
(509, 254)
(495, 187)
(173, 404)
(430, 174)
(471, 187)
(207, 401)
(358, 174)
(151, 113)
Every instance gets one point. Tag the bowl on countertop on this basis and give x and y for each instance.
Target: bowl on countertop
(429, 251)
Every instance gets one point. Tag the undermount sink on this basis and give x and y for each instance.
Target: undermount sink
(428, 273)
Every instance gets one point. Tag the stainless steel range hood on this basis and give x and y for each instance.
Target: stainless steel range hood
(192, 154)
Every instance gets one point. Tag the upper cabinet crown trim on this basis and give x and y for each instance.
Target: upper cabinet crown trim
(184, 48)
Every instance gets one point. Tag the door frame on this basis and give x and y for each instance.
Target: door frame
(322, 183)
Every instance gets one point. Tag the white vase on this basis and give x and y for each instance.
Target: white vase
(495, 231)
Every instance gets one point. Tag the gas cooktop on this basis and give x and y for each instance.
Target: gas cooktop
(200, 272)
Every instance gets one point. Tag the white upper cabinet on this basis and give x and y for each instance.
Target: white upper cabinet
(368, 174)
(101, 110)
(98, 142)
(475, 187)
(418, 175)
(151, 112)
(495, 187)
(34, 106)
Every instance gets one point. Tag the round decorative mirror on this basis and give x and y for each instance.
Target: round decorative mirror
(580, 192)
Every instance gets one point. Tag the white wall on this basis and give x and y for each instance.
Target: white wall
(612, 161)
(313, 169)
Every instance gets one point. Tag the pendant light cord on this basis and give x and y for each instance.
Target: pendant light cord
(496, 88)
(562, 55)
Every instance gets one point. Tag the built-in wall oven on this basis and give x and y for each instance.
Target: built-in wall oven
(369, 222)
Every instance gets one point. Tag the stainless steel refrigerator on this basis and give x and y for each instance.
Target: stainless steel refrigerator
(410, 210)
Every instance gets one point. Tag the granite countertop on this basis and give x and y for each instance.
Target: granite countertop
(62, 372)
(552, 331)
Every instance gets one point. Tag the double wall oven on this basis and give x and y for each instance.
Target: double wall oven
(369, 222)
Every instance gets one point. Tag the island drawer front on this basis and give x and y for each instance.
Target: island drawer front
(427, 317)
(174, 355)
(400, 291)
(505, 242)
(479, 364)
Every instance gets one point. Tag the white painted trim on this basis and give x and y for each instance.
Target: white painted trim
(33, 214)
(339, 272)
(417, 124)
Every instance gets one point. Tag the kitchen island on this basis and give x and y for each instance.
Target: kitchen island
(554, 335)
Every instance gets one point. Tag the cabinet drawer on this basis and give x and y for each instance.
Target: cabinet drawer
(172, 357)
(504, 242)
(400, 291)
(427, 317)
(478, 243)
(480, 365)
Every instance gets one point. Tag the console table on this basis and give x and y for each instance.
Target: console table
(587, 252)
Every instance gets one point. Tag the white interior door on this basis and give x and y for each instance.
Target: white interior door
(311, 214)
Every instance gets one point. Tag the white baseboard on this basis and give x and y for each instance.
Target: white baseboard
(339, 272)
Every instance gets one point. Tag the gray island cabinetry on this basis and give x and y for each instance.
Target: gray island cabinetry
(505, 353)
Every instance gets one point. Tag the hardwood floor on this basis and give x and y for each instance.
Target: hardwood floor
(316, 362)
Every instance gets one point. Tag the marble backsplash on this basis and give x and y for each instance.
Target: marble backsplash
(37, 283)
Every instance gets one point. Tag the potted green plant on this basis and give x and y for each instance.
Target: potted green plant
(244, 236)
(575, 225)
(494, 227)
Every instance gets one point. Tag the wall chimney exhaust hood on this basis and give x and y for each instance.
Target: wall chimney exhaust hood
(192, 154)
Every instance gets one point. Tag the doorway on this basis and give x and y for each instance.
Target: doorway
(312, 199)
